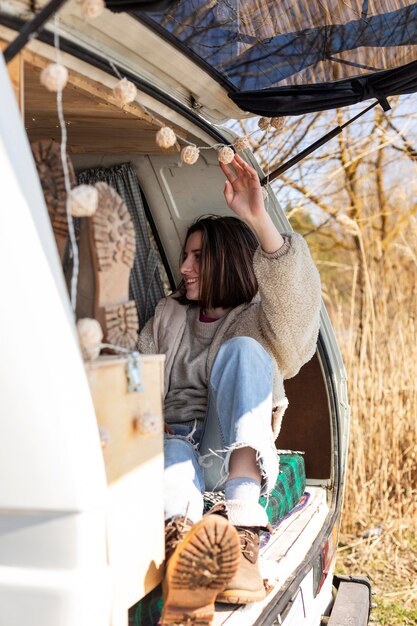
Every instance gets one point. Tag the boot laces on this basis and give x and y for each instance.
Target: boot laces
(249, 542)
(175, 531)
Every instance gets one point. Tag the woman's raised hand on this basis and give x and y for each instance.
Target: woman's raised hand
(243, 195)
(243, 191)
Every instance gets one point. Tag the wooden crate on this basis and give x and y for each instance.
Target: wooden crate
(131, 424)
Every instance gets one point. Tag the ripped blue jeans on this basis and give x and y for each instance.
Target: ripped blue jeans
(238, 415)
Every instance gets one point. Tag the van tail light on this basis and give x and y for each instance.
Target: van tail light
(323, 564)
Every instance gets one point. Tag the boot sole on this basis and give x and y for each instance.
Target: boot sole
(113, 248)
(238, 596)
(47, 155)
(201, 566)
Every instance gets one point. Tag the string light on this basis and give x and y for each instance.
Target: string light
(83, 201)
(264, 123)
(92, 8)
(278, 122)
(242, 143)
(64, 159)
(225, 155)
(190, 154)
(54, 77)
(165, 137)
(124, 92)
(90, 336)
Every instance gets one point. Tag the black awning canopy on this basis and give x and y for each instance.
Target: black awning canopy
(292, 57)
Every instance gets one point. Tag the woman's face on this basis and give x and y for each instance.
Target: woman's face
(190, 268)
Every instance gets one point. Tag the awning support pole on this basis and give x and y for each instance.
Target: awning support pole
(31, 28)
(317, 144)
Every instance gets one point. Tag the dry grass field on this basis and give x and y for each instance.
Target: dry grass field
(379, 526)
(377, 332)
(355, 201)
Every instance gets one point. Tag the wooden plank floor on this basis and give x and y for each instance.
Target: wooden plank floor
(284, 552)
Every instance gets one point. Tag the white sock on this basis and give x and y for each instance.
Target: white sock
(243, 489)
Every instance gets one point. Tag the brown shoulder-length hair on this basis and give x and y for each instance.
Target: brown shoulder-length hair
(227, 278)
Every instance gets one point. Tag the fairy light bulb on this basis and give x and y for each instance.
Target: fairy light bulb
(90, 336)
(83, 201)
(190, 154)
(278, 122)
(124, 92)
(165, 137)
(225, 155)
(92, 8)
(264, 123)
(54, 77)
(242, 143)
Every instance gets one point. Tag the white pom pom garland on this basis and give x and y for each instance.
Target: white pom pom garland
(225, 155)
(278, 122)
(124, 92)
(83, 201)
(90, 337)
(264, 123)
(165, 137)
(92, 8)
(242, 143)
(54, 77)
(190, 154)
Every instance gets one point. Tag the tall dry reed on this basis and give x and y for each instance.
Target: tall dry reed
(381, 360)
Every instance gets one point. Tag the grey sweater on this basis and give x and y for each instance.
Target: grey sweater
(283, 317)
(186, 398)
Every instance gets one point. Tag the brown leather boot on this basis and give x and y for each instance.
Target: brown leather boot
(201, 560)
(247, 585)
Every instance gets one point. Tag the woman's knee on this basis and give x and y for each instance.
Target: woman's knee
(178, 449)
(242, 353)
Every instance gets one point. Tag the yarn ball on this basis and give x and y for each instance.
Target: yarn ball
(83, 200)
(264, 123)
(92, 8)
(124, 92)
(190, 154)
(165, 137)
(242, 143)
(225, 155)
(54, 77)
(278, 122)
(90, 337)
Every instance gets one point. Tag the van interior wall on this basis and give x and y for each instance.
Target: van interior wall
(176, 194)
(306, 424)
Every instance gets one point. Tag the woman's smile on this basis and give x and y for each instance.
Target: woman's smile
(190, 268)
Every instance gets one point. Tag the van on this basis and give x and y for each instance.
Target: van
(81, 517)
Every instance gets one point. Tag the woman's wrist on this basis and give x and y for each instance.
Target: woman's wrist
(268, 236)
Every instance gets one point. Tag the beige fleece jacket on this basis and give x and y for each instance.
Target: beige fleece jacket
(283, 317)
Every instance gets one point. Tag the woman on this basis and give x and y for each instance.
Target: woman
(246, 317)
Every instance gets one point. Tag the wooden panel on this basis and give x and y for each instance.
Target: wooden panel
(306, 423)
(119, 413)
(134, 465)
(94, 121)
